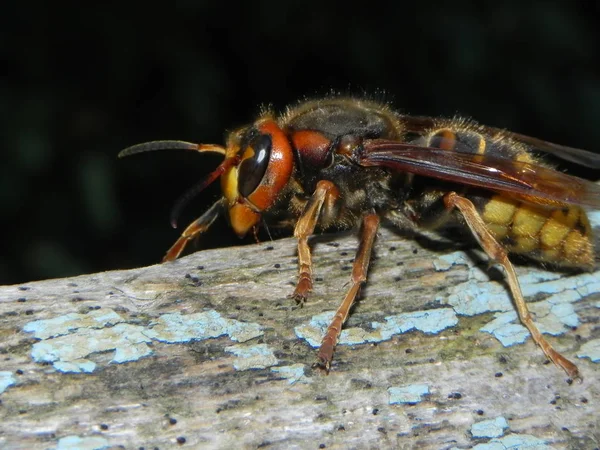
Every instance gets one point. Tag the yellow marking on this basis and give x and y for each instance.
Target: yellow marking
(524, 157)
(480, 148)
(553, 254)
(498, 231)
(499, 210)
(558, 226)
(528, 221)
(482, 145)
(525, 244)
(578, 250)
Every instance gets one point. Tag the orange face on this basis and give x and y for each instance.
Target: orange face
(253, 184)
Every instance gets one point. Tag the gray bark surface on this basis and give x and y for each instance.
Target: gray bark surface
(190, 395)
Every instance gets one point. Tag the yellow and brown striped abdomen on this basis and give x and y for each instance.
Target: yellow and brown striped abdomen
(559, 235)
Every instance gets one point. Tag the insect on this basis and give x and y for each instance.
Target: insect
(343, 162)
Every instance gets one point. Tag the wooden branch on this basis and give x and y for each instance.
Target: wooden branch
(150, 374)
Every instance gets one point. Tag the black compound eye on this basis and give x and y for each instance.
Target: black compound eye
(252, 170)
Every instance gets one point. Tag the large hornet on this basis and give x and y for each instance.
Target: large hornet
(340, 162)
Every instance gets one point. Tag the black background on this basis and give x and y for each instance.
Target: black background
(79, 83)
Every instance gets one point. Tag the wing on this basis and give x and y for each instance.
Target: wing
(420, 124)
(531, 182)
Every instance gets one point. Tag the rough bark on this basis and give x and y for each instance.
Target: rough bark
(190, 393)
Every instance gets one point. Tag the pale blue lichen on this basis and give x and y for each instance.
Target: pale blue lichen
(489, 428)
(430, 321)
(7, 379)
(554, 315)
(412, 393)
(82, 443)
(68, 340)
(590, 349)
(257, 356)
(68, 352)
(515, 442)
(293, 373)
(68, 323)
(176, 327)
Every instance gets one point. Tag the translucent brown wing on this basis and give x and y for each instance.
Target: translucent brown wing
(531, 182)
(420, 124)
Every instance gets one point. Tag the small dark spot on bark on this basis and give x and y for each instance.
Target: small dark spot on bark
(172, 421)
(322, 446)
(400, 263)
(375, 411)
(22, 300)
(200, 267)
(584, 400)
(455, 395)
(502, 359)
(181, 440)
(23, 288)
(103, 426)
(270, 247)
(19, 372)
(277, 265)
(392, 249)
(343, 253)
(498, 374)
(187, 275)
(29, 312)
(480, 412)
(381, 430)
(345, 267)
(341, 428)
(415, 251)
(408, 351)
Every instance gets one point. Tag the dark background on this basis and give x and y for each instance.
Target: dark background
(79, 84)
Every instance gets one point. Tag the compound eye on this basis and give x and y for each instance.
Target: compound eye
(255, 161)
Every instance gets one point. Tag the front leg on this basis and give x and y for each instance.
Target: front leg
(194, 229)
(324, 199)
